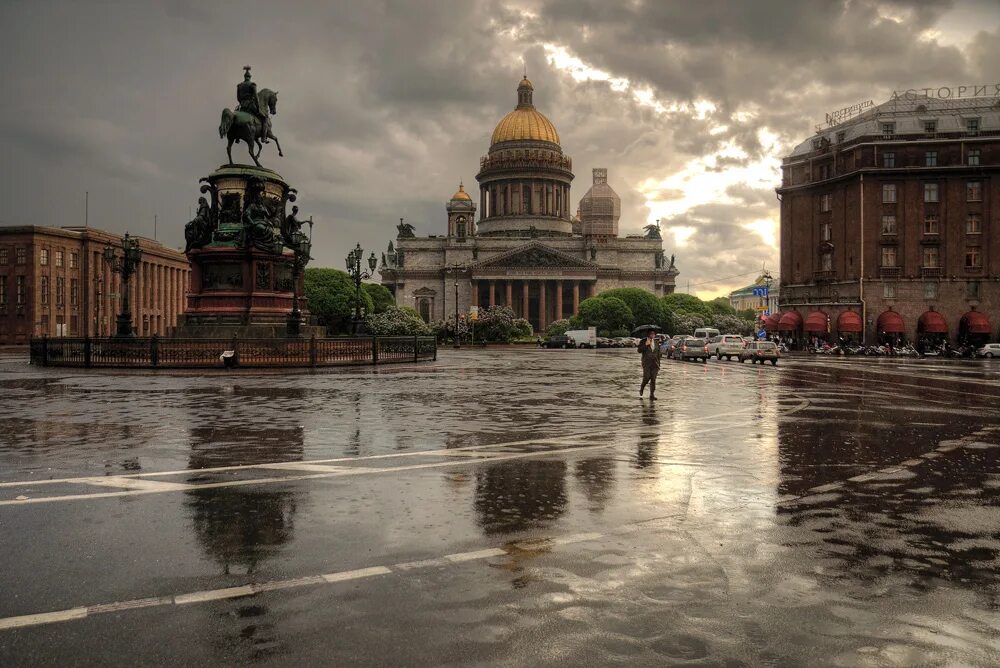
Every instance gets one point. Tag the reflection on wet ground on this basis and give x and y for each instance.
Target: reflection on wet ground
(504, 507)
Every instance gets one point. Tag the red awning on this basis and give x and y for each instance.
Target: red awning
(932, 322)
(891, 322)
(816, 322)
(771, 323)
(849, 321)
(790, 321)
(975, 322)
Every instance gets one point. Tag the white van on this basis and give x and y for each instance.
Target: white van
(583, 338)
(706, 333)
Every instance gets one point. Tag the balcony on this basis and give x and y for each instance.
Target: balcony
(931, 240)
(974, 271)
(825, 275)
(931, 272)
(890, 272)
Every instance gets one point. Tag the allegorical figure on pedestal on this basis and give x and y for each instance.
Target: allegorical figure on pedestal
(258, 232)
(198, 232)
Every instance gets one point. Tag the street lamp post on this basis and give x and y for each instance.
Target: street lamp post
(301, 246)
(358, 274)
(453, 270)
(98, 295)
(124, 265)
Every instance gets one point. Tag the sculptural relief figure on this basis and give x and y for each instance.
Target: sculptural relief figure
(652, 231)
(405, 230)
(198, 232)
(258, 231)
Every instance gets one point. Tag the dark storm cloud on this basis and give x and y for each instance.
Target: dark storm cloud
(384, 106)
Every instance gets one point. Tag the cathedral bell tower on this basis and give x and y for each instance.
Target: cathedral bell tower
(461, 214)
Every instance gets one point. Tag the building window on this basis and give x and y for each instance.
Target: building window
(3, 257)
(888, 290)
(21, 256)
(826, 262)
(73, 258)
(21, 288)
(888, 130)
(825, 203)
(59, 258)
(841, 136)
(930, 127)
(972, 126)
(930, 192)
(930, 291)
(973, 258)
(3, 290)
(60, 291)
(932, 225)
(974, 224)
(826, 232)
(74, 292)
(44, 289)
(888, 159)
(43, 257)
(888, 193)
(888, 224)
(817, 143)
(972, 290)
(888, 256)
(973, 157)
(930, 159)
(974, 191)
(931, 257)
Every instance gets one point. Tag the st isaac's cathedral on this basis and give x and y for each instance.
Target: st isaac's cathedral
(527, 250)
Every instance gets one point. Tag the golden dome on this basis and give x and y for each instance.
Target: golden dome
(525, 122)
(461, 194)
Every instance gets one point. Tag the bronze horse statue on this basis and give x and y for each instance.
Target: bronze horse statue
(243, 126)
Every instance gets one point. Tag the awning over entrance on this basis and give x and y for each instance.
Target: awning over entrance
(975, 322)
(771, 323)
(891, 322)
(790, 321)
(932, 322)
(816, 322)
(849, 321)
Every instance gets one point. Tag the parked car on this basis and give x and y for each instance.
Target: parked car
(726, 345)
(989, 351)
(558, 342)
(669, 347)
(692, 349)
(760, 351)
(582, 338)
(706, 332)
(603, 342)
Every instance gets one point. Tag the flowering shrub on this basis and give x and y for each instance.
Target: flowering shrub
(522, 329)
(559, 327)
(395, 321)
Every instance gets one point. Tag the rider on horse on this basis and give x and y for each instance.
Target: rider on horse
(246, 96)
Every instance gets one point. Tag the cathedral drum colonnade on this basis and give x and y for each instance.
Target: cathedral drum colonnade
(527, 250)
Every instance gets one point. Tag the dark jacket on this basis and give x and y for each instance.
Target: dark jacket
(650, 351)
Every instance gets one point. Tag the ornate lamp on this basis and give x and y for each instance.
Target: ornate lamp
(125, 266)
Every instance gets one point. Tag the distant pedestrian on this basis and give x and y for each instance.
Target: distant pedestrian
(650, 363)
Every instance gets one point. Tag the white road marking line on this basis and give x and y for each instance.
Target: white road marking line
(213, 595)
(576, 538)
(134, 604)
(392, 455)
(275, 585)
(471, 556)
(423, 563)
(345, 471)
(134, 483)
(43, 618)
(343, 576)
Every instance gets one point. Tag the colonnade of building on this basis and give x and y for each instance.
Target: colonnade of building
(540, 301)
(530, 197)
(157, 293)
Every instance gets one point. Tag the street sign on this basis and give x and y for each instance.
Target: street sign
(760, 292)
(762, 334)
(760, 309)
(473, 313)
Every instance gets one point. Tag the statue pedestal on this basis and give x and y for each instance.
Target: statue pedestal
(241, 277)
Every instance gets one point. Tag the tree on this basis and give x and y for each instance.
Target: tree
(396, 321)
(720, 306)
(558, 327)
(331, 295)
(605, 313)
(645, 306)
(381, 297)
(522, 329)
(682, 303)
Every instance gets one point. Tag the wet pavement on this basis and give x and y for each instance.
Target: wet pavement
(503, 507)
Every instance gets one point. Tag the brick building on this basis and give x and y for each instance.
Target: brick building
(526, 251)
(55, 281)
(888, 226)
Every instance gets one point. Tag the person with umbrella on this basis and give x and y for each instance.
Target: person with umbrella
(651, 355)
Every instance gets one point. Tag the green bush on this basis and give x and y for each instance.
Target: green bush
(395, 321)
(331, 295)
(522, 329)
(380, 296)
(647, 309)
(605, 313)
(558, 328)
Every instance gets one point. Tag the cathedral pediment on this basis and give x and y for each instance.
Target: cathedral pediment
(534, 254)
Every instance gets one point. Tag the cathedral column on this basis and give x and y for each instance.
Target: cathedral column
(525, 303)
(510, 295)
(576, 297)
(543, 287)
(493, 292)
(475, 293)
(559, 304)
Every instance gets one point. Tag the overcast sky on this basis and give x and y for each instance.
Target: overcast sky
(384, 106)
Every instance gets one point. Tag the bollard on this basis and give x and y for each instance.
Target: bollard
(312, 350)
(374, 350)
(154, 350)
(86, 351)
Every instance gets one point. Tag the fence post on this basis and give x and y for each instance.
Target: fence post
(45, 350)
(374, 350)
(312, 350)
(415, 348)
(435, 350)
(236, 351)
(86, 351)
(154, 350)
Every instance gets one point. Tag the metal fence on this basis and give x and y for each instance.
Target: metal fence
(165, 353)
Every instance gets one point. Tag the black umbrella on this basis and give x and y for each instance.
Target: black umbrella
(641, 330)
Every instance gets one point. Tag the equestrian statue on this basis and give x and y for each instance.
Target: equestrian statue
(250, 121)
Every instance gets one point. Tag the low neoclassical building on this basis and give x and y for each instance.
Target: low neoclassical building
(526, 250)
